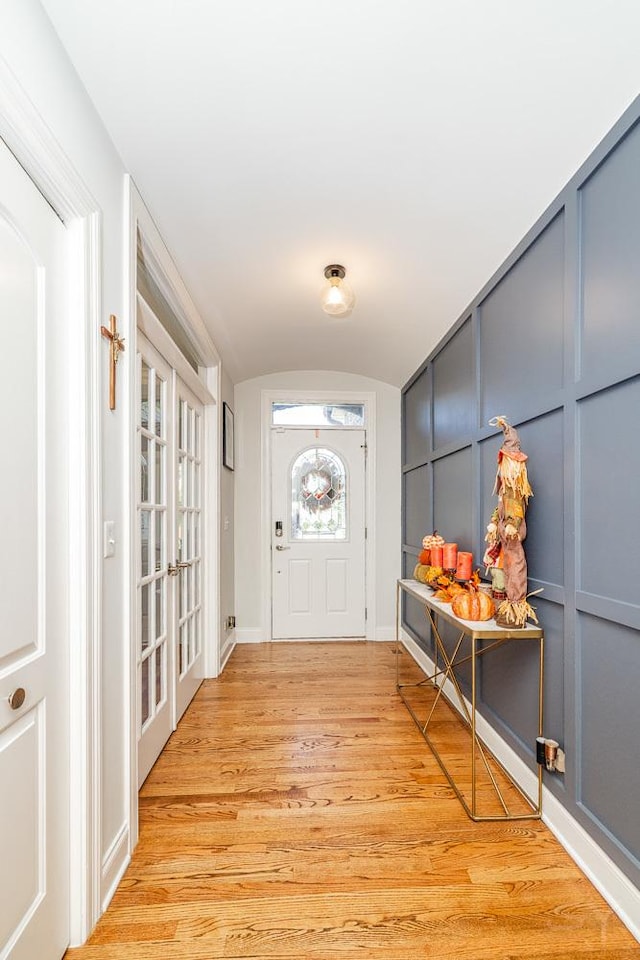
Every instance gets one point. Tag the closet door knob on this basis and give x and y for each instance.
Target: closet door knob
(17, 698)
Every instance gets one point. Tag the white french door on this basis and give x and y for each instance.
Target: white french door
(189, 529)
(34, 575)
(318, 533)
(169, 522)
(154, 640)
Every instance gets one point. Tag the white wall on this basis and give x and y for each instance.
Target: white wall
(30, 48)
(32, 56)
(251, 588)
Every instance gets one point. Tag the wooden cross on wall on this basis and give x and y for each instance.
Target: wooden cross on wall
(116, 346)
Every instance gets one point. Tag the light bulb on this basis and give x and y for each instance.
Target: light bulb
(337, 297)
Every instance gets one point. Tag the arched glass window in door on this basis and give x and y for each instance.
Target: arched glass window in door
(318, 496)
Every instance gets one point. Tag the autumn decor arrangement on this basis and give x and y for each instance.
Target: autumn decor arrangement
(450, 573)
(507, 530)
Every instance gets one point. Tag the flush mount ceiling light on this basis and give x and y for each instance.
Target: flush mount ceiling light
(337, 297)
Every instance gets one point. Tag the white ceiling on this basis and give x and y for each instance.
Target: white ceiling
(415, 142)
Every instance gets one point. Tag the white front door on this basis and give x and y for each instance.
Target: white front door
(169, 641)
(318, 533)
(34, 579)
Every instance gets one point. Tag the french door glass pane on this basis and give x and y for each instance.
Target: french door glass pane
(159, 673)
(159, 473)
(160, 590)
(196, 536)
(181, 425)
(145, 536)
(145, 626)
(144, 469)
(196, 583)
(181, 481)
(182, 650)
(144, 396)
(146, 690)
(159, 540)
(197, 633)
(159, 406)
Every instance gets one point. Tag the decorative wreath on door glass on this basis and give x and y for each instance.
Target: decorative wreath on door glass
(320, 480)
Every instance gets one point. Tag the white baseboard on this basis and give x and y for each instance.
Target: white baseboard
(385, 633)
(249, 635)
(319, 640)
(227, 649)
(256, 635)
(114, 863)
(608, 879)
(616, 888)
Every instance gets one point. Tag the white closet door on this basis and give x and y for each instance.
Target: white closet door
(34, 575)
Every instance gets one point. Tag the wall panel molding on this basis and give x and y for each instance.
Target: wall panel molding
(552, 342)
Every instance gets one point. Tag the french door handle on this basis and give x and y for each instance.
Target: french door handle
(174, 568)
(280, 547)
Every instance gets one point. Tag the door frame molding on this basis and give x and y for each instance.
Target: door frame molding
(165, 274)
(30, 139)
(337, 396)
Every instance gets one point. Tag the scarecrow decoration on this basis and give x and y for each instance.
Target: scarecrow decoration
(504, 556)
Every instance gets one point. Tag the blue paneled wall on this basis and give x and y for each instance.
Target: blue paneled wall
(553, 343)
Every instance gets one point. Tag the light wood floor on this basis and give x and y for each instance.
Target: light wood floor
(298, 813)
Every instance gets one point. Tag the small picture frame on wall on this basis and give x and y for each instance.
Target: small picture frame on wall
(227, 436)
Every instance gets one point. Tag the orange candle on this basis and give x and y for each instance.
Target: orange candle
(450, 556)
(436, 556)
(465, 564)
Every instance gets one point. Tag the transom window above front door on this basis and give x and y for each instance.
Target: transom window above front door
(318, 496)
(310, 414)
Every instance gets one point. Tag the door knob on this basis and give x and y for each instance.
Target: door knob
(17, 698)
(279, 547)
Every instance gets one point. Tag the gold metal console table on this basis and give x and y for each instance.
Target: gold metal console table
(485, 636)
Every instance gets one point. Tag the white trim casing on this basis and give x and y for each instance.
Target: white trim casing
(214, 659)
(155, 333)
(607, 878)
(141, 229)
(268, 397)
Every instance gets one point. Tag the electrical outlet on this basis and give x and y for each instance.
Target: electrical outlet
(230, 623)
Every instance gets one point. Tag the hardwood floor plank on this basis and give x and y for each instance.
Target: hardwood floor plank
(298, 813)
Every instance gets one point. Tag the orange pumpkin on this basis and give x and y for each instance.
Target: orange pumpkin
(424, 556)
(473, 605)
